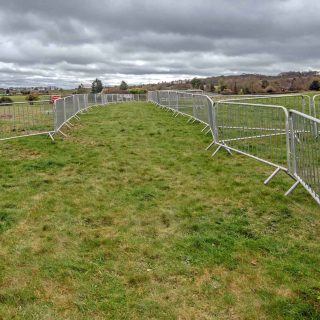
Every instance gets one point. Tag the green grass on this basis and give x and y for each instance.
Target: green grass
(130, 218)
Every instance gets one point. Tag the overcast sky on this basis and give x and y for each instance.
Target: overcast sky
(67, 42)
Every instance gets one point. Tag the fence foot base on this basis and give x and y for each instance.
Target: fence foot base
(210, 145)
(272, 176)
(228, 150)
(224, 147)
(63, 134)
(217, 150)
(292, 188)
(51, 137)
(204, 128)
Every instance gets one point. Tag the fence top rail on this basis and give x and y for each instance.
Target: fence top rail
(240, 98)
(230, 102)
(315, 97)
(186, 93)
(269, 96)
(249, 96)
(301, 114)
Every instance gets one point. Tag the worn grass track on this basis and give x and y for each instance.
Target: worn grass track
(130, 218)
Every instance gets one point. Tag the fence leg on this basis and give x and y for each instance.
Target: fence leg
(63, 134)
(224, 147)
(217, 150)
(292, 188)
(228, 150)
(51, 136)
(204, 128)
(272, 176)
(210, 145)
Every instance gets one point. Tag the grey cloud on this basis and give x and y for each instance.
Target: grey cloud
(66, 42)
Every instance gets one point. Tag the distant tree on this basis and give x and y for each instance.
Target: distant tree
(96, 86)
(5, 100)
(137, 91)
(124, 85)
(196, 83)
(7, 91)
(33, 96)
(270, 89)
(222, 86)
(246, 90)
(293, 86)
(81, 89)
(235, 88)
(264, 83)
(210, 87)
(315, 85)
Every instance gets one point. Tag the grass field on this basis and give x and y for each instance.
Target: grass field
(130, 218)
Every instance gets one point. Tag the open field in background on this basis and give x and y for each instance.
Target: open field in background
(130, 218)
(21, 98)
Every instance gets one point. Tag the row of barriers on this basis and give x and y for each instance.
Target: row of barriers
(22, 119)
(261, 127)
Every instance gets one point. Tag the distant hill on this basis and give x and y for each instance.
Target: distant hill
(291, 81)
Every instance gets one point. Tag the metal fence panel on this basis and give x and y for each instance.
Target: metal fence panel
(26, 118)
(316, 105)
(305, 139)
(59, 114)
(69, 109)
(259, 131)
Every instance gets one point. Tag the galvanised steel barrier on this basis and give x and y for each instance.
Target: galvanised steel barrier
(305, 146)
(67, 108)
(21, 119)
(259, 131)
(316, 105)
(265, 132)
(197, 107)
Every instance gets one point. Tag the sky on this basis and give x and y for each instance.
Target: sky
(68, 42)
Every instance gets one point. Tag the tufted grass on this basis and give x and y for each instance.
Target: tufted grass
(130, 218)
